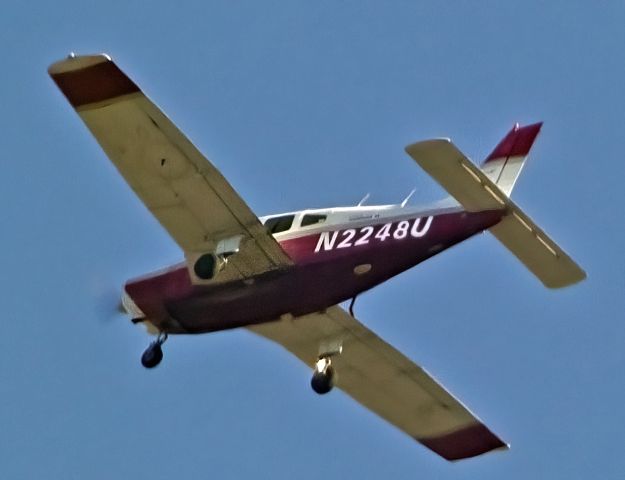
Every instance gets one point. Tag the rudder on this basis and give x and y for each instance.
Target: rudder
(506, 161)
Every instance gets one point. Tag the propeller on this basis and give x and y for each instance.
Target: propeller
(107, 301)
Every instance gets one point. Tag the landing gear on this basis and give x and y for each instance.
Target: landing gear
(322, 380)
(351, 306)
(154, 353)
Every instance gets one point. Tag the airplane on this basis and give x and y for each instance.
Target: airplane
(283, 276)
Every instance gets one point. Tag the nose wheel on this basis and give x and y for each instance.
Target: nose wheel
(154, 353)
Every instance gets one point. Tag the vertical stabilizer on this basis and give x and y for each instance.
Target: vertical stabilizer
(504, 164)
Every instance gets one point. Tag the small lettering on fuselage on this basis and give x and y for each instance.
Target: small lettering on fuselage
(415, 228)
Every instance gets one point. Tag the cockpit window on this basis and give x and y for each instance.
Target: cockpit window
(279, 224)
(313, 219)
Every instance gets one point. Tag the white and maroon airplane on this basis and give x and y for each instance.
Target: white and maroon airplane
(283, 276)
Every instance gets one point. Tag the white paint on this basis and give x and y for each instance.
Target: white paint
(415, 228)
(326, 241)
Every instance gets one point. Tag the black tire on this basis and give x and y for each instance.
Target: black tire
(321, 382)
(204, 266)
(152, 355)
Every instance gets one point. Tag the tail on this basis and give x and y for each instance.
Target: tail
(489, 189)
(506, 161)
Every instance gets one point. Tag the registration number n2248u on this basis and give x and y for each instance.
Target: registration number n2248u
(352, 237)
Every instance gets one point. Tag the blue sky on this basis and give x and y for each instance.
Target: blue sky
(310, 104)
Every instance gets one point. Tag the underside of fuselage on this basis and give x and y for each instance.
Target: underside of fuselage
(330, 266)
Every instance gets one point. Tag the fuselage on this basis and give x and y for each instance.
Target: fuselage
(337, 254)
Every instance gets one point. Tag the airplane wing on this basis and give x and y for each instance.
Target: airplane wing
(385, 381)
(182, 189)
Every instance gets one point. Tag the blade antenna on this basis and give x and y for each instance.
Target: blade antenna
(403, 204)
(364, 199)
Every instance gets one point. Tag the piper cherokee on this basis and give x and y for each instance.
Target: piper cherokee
(283, 276)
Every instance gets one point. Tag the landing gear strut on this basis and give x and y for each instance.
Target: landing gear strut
(154, 353)
(322, 380)
(351, 306)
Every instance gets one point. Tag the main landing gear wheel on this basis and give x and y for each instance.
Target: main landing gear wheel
(154, 353)
(322, 380)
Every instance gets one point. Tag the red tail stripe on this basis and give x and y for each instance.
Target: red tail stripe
(516, 143)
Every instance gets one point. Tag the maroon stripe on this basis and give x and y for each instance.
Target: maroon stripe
(516, 143)
(96, 83)
(468, 442)
(316, 281)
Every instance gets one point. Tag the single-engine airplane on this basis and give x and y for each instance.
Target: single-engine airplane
(283, 276)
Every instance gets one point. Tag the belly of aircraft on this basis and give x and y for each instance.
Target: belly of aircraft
(320, 278)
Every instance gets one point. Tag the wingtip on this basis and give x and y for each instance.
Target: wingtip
(77, 62)
(89, 79)
(574, 278)
(467, 442)
(418, 146)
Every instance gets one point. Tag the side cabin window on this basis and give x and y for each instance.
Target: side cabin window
(279, 224)
(313, 219)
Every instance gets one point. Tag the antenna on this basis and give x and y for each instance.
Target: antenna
(403, 204)
(364, 199)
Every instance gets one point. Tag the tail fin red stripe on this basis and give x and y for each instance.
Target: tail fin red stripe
(516, 143)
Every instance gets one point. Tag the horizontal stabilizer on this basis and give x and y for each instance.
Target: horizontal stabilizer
(475, 192)
(457, 174)
(539, 253)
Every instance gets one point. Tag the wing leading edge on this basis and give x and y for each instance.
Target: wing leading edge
(385, 381)
(182, 189)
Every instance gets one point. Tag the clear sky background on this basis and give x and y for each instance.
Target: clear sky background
(310, 104)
